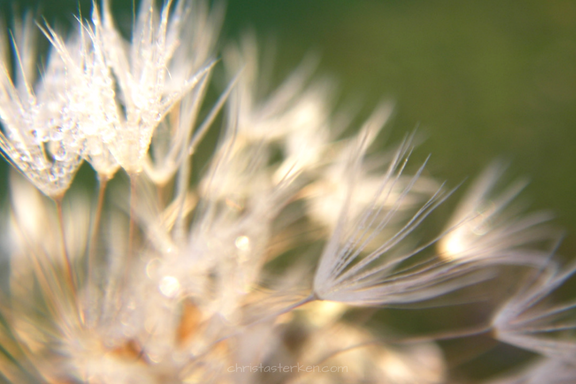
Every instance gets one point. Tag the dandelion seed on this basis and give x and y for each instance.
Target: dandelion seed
(481, 228)
(36, 136)
(529, 321)
(147, 91)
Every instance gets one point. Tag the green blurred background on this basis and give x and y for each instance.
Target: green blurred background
(480, 79)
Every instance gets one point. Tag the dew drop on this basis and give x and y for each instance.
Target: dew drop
(169, 286)
(40, 164)
(242, 243)
(152, 267)
(52, 176)
(35, 135)
(56, 134)
(59, 152)
(25, 158)
(154, 358)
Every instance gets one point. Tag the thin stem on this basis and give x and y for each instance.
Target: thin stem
(181, 188)
(308, 299)
(160, 195)
(65, 255)
(445, 335)
(132, 228)
(448, 335)
(102, 183)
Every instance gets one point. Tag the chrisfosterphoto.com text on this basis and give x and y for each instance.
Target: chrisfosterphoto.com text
(287, 368)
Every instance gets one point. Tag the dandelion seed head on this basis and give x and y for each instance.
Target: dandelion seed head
(181, 276)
